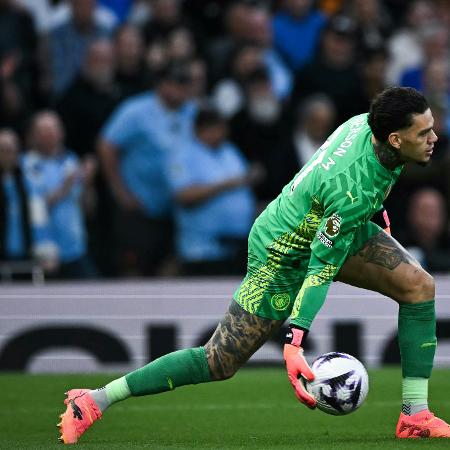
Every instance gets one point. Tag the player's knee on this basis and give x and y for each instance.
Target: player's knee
(221, 372)
(417, 287)
(221, 367)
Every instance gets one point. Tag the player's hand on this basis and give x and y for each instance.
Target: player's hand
(298, 368)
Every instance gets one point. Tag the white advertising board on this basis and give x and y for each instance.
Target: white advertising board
(118, 326)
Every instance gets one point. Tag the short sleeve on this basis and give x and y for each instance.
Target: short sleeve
(121, 128)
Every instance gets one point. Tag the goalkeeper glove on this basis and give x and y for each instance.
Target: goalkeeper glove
(297, 367)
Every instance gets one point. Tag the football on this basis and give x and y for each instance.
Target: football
(341, 383)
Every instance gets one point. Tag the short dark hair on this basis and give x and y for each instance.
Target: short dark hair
(208, 117)
(394, 109)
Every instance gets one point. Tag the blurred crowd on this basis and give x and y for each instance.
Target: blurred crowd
(142, 137)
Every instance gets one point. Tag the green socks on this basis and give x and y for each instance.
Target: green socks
(189, 366)
(417, 342)
(417, 339)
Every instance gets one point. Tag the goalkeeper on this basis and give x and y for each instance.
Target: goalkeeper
(317, 230)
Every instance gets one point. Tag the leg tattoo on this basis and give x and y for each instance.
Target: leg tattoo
(236, 338)
(385, 252)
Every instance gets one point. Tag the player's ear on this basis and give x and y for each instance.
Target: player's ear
(395, 140)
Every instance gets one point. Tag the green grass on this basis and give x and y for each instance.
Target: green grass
(254, 410)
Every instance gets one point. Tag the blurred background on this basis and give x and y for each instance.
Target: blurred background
(142, 137)
(139, 139)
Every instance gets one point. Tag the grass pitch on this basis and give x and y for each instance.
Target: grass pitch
(254, 410)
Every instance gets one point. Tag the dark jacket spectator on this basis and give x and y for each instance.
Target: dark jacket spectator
(258, 129)
(91, 98)
(334, 72)
(68, 43)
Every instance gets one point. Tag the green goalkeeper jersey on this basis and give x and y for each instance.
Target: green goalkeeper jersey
(317, 214)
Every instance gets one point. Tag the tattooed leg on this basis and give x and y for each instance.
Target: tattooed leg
(236, 338)
(384, 266)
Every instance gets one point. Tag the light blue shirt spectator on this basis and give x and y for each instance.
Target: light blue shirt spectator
(67, 48)
(296, 39)
(145, 132)
(66, 222)
(201, 227)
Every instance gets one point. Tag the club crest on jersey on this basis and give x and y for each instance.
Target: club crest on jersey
(280, 301)
(332, 226)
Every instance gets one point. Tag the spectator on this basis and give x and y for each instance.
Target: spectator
(374, 24)
(313, 123)
(257, 129)
(18, 41)
(181, 44)
(428, 238)
(260, 32)
(437, 90)
(214, 203)
(228, 93)
(206, 16)
(250, 23)
(404, 46)
(56, 173)
(140, 12)
(221, 49)
(24, 232)
(132, 75)
(69, 41)
(373, 76)
(134, 145)
(178, 46)
(334, 72)
(435, 48)
(49, 14)
(90, 99)
(165, 17)
(18, 65)
(297, 21)
(84, 109)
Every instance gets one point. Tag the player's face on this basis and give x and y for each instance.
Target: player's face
(417, 141)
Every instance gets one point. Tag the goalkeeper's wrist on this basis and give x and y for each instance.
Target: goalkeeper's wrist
(296, 336)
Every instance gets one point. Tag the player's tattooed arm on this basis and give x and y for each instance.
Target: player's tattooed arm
(387, 155)
(384, 251)
(236, 338)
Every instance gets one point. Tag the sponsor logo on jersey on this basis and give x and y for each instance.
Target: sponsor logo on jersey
(325, 241)
(350, 196)
(333, 226)
(280, 301)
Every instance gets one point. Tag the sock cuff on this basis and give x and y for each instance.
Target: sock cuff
(201, 362)
(414, 390)
(424, 310)
(117, 390)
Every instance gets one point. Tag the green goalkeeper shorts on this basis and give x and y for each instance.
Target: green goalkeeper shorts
(270, 291)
